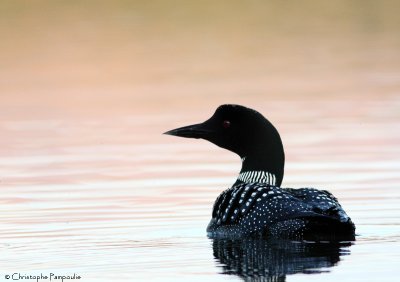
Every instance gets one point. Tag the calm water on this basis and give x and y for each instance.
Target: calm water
(91, 186)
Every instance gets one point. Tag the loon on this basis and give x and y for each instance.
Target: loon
(256, 205)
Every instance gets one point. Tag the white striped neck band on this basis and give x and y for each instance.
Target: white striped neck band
(257, 176)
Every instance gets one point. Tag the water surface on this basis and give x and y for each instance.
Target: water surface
(91, 186)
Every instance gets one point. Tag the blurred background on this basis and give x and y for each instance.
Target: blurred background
(156, 63)
(87, 88)
(84, 58)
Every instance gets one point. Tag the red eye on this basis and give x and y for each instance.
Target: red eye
(226, 124)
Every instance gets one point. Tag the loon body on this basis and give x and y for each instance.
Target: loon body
(256, 205)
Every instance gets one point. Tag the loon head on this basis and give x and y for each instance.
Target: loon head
(245, 132)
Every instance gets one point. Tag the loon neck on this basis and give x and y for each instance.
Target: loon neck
(262, 169)
(257, 176)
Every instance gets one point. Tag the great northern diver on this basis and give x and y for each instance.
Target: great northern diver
(256, 205)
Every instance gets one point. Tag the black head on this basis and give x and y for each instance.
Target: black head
(243, 131)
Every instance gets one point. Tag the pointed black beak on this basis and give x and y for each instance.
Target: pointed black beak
(191, 131)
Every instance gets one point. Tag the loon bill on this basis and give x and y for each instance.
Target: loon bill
(256, 205)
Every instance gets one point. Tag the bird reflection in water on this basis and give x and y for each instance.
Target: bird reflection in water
(271, 260)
